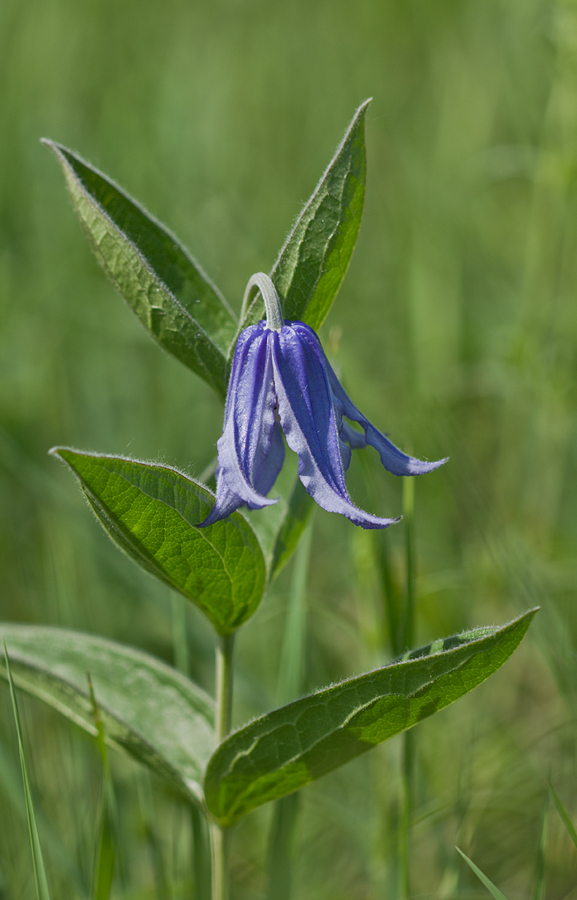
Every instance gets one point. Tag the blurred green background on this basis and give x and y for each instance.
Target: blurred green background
(455, 331)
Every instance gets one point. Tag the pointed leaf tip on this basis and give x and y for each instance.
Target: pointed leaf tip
(162, 283)
(316, 254)
(288, 748)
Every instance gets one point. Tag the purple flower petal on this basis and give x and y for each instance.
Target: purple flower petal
(250, 450)
(310, 422)
(393, 459)
(282, 373)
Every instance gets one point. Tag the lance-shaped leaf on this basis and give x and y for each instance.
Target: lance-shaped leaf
(292, 746)
(146, 707)
(152, 511)
(161, 282)
(317, 252)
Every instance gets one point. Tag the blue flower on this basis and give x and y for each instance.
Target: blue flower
(281, 378)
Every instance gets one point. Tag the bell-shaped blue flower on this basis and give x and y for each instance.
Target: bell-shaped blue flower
(281, 378)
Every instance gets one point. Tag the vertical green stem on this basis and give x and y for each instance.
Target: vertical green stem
(224, 653)
(201, 854)
(220, 837)
(408, 748)
(220, 842)
(405, 809)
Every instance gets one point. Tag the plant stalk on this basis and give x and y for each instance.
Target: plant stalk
(220, 837)
(224, 654)
(220, 843)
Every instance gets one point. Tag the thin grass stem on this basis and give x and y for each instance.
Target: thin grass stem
(291, 680)
(42, 892)
(390, 596)
(408, 745)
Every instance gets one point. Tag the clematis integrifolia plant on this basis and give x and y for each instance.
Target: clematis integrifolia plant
(282, 379)
(280, 382)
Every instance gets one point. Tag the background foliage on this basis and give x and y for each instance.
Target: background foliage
(455, 330)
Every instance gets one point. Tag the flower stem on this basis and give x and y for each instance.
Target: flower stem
(261, 282)
(220, 837)
(405, 810)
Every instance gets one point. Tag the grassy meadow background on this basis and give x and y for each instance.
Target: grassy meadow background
(455, 331)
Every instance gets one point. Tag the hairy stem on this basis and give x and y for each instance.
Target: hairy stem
(220, 837)
(224, 653)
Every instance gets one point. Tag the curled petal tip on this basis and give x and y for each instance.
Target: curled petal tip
(421, 467)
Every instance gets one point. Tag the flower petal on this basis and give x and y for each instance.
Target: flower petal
(250, 450)
(272, 464)
(393, 459)
(310, 422)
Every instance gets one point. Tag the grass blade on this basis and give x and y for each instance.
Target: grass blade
(105, 857)
(539, 889)
(42, 891)
(496, 893)
(291, 681)
(565, 817)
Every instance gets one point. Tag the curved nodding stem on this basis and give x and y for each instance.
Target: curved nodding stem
(261, 282)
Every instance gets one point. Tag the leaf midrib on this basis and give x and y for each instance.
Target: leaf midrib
(154, 275)
(342, 726)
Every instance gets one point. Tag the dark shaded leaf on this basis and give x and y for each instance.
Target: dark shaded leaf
(146, 707)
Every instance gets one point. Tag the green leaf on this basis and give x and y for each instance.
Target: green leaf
(495, 892)
(158, 278)
(151, 512)
(146, 707)
(42, 892)
(281, 752)
(317, 252)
